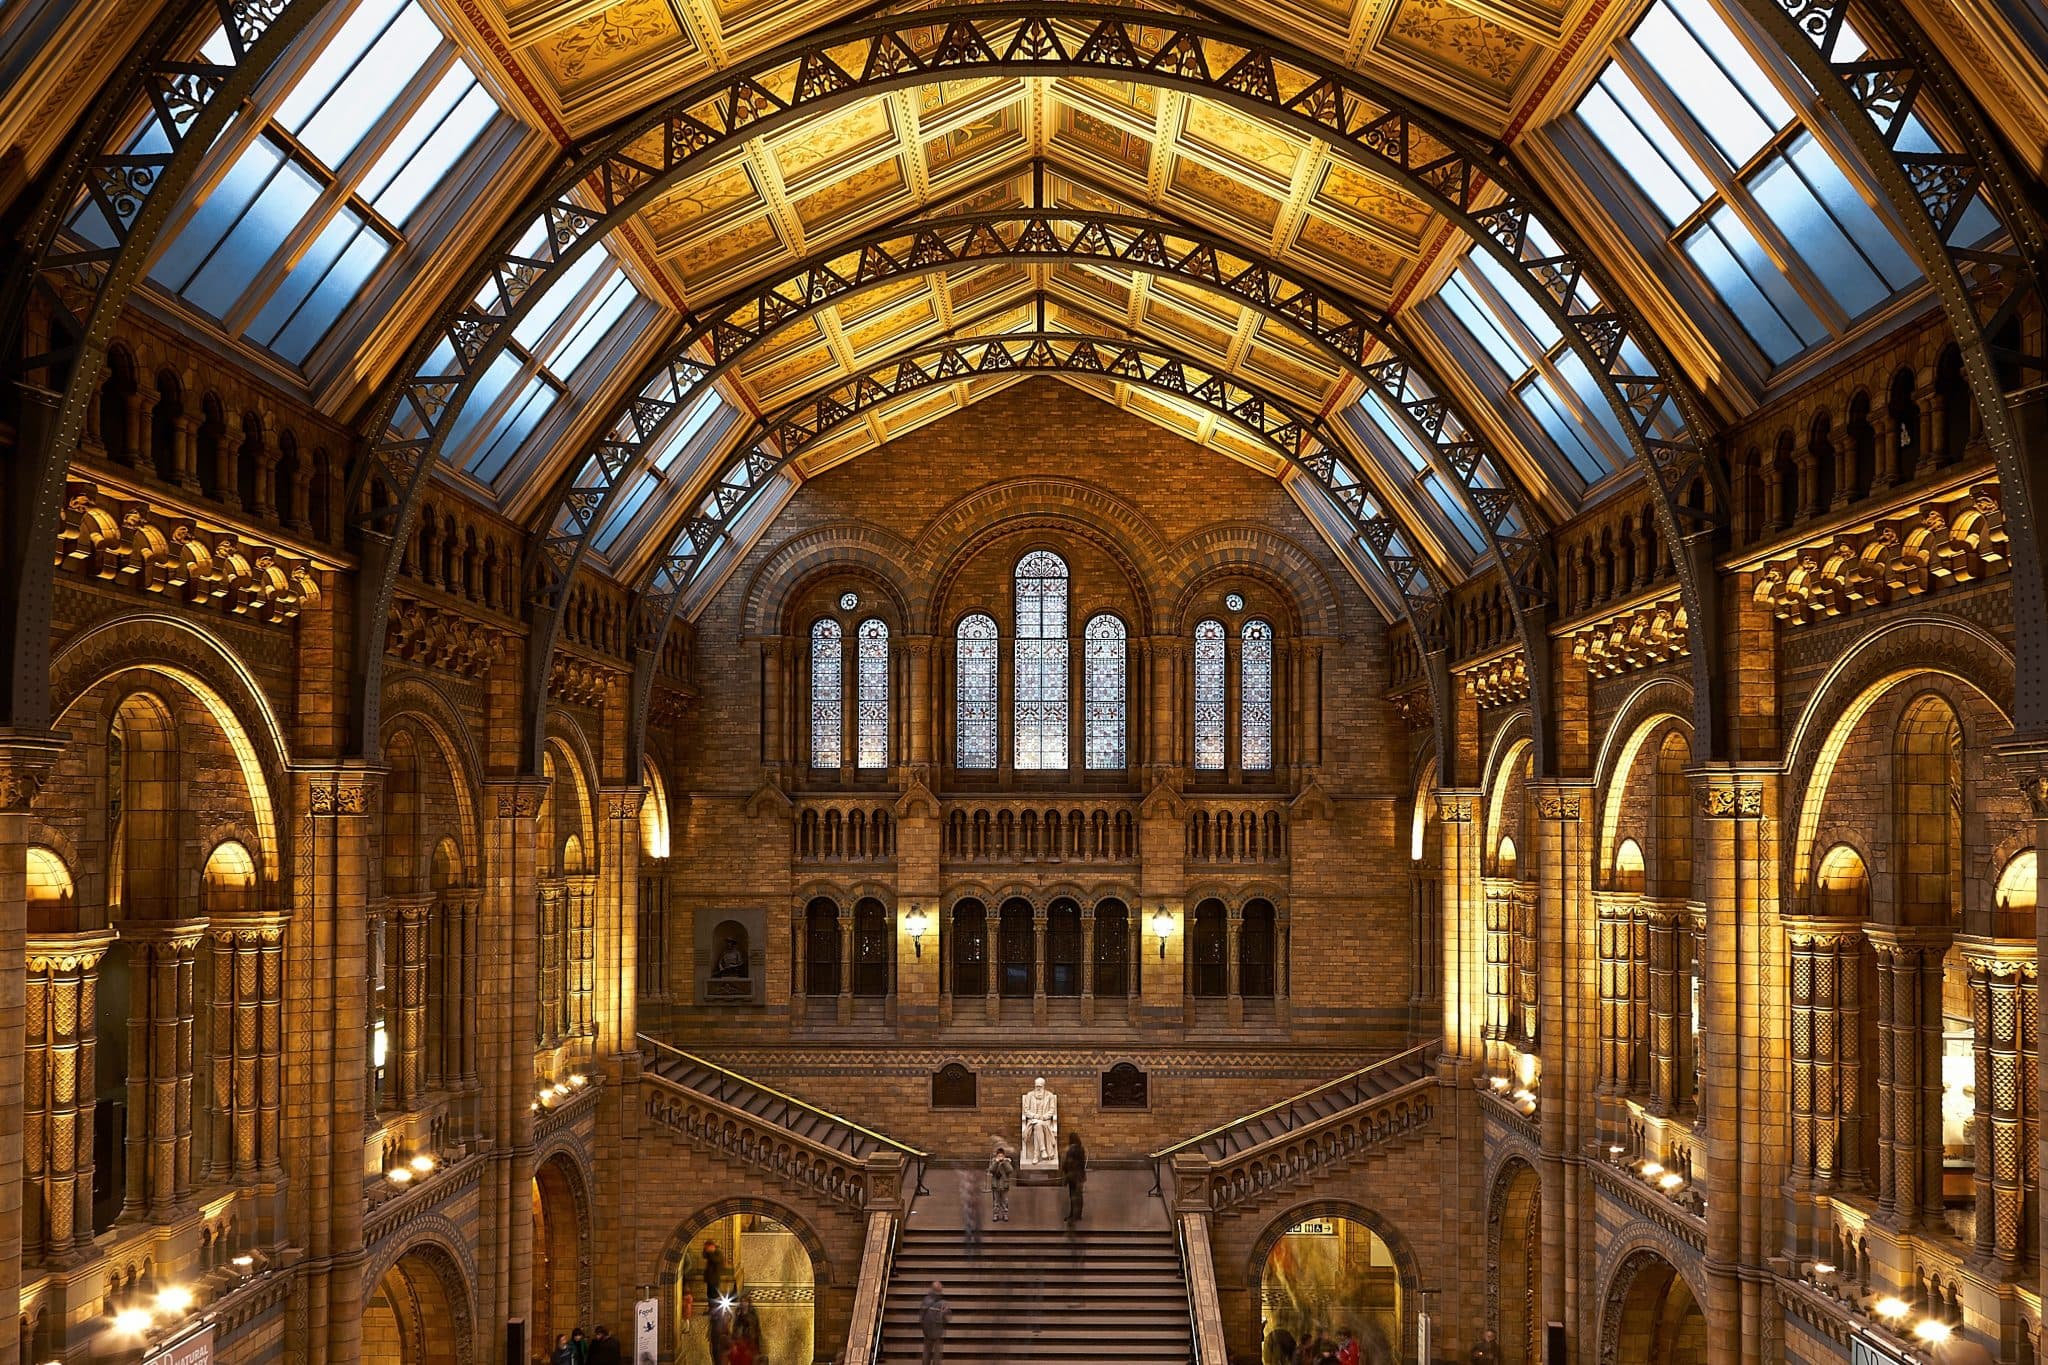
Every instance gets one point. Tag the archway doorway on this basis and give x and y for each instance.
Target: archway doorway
(415, 1316)
(1652, 1316)
(1325, 1274)
(560, 1298)
(768, 1287)
(1516, 1235)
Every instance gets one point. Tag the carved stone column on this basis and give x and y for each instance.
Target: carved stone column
(2005, 1005)
(1638, 1070)
(1908, 1071)
(405, 1000)
(1500, 908)
(772, 685)
(1087, 964)
(245, 1068)
(57, 1152)
(1233, 932)
(846, 937)
(184, 451)
(1616, 967)
(616, 924)
(508, 942)
(1467, 994)
(919, 700)
(579, 925)
(550, 957)
(1038, 927)
(160, 1067)
(1665, 923)
(1826, 1027)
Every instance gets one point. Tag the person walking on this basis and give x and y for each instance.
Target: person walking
(970, 1213)
(579, 1345)
(1002, 1174)
(714, 1274)
(932, 1316)
(605, 1348)
(1347, 1347)
(1487, 1352)
(564, 1354)
(1074, 1174)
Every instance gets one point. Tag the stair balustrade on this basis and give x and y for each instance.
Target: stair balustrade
(1286, 1144)
(755, 1125)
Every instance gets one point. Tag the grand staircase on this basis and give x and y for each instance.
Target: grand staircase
(706, 1079)
(1104, 1295)
(1312, 1108)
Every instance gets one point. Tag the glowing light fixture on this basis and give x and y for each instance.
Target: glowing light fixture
(1652, 1170)
(244, 1262)
(1672, 1180)
(1891, 1307)
(915, 923)
(1933, 1331)
(132, 1321)
(399, 1175)
(1162, 925)
(422, 1163)
(176, 1299)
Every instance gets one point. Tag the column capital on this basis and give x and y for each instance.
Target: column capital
(1815, 931)
(1561, 798)
(181, 934)
(349, 789)
(623, 803)
(1723, 792)
(1908, 938)
(68, 952)
(517, 798)
(1456, 807)
(2002, 957)
(248, 927)
(27, 757)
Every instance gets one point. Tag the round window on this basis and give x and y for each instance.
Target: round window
(848, 601)
(1233, 602)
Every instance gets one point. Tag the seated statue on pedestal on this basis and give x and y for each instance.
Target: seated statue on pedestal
(1039, 1145)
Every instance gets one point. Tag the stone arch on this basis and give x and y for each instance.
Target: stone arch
(1406, 1267)
(668, 1269)
(1652, 731)
(1238, 548)
(1503, 789)
(423, 702)
(1068, 506)
(1945, 646)
(562, 1178)
(441, 1248)
(202, 664)
(1514, 1203)
(857, 547)
(1627, 1296)
(576, 780)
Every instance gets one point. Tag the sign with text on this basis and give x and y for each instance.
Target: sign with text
(196, 1349)
(1314, 1227)
(1864, 1351)
(647, 1332)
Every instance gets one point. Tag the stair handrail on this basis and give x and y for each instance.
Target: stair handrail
(871, 1293)
(1198, 1273)
(790, 1102)
(1420, 1052)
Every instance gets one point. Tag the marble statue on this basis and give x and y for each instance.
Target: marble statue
(1040, 1143)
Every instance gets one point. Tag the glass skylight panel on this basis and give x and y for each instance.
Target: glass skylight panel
(558, 295)
(1483, 326)
(511, 430)
(1453, 507)
(1566, 433)
(1776, 228)
(595, 323)
(620, 513)
(683, 431)
(289, 234)
(438, 136)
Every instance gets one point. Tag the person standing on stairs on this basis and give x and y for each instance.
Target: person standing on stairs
(970, 1214)
(1002, 1174)
(1074, 1174)
(932, 1315)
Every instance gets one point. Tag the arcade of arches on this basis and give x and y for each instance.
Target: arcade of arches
(626, 617)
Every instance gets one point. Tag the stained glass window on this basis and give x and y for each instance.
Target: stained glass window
(1103, 684)
(974, 693)
(1210, 703)
(1255, 697)
(1041, 665)
(828, 695)
(874, 694)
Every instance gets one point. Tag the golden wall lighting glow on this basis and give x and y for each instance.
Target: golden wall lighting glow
(1933, 1331)
(1652, 1170)
(422, 1163)
(400, 1175)
(176, 1299)
(1891, 1307)
(132, 1321)
(1672, 1180)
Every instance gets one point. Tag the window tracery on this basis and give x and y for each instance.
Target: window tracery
(828, 701)
(1255, 697)
(1210, 696)
(873, 684)
(974, 687)
(1104, 686)
(1041, 704)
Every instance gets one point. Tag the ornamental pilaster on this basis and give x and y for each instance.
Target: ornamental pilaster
(245, 1070)
(2005, 1009)
(59, 1068)
(162, 961)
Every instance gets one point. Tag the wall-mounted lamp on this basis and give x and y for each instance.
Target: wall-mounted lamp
(1162, 925)
(917, 922)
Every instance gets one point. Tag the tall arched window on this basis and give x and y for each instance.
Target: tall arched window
(1103, 705)
(1255, 697)
(873, 677)
(828, 697)
(974, 692)
(1041, 698)
(1210, 700)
